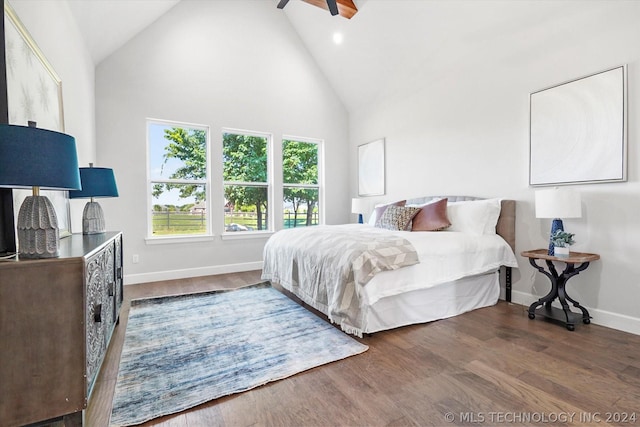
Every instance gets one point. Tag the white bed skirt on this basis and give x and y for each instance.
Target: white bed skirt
(453, 298)
(414, 307)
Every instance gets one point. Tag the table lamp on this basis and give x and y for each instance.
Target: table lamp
(557, 203)
(96, 182)
(38, 159)
(359, 206)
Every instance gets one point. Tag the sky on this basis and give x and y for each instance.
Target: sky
(160, 170)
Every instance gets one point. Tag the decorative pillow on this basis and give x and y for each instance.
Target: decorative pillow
(377, 213)
(475, 217)
(397, 217)
(432, 217)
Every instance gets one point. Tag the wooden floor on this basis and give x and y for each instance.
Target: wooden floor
(492, 366)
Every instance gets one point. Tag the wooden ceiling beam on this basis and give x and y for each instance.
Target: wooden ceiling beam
(346, 8)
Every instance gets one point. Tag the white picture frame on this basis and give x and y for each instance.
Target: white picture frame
(371, 169)
(34, 93)
(578, 131)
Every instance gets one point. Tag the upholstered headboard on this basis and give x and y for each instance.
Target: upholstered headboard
(506, 226)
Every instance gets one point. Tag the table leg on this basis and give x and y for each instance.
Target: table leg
(562, 296)
(569, 272)
(553, 293)
(558, 290)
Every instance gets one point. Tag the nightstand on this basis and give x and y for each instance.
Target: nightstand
(558, 282)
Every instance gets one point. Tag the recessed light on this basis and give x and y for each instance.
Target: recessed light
(337, 38)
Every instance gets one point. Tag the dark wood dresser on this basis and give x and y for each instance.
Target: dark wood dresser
(56, 320)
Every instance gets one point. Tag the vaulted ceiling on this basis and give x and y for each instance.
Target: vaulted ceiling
(388, 46)
(107, 25)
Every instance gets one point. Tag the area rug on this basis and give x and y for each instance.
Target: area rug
(182, 351)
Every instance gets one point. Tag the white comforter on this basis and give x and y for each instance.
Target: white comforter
(326, 266)
(444, 256)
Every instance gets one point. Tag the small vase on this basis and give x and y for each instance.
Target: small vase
(561, 252)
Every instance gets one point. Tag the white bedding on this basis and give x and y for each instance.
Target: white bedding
(437, 302)
(444, 256)
(326, 265)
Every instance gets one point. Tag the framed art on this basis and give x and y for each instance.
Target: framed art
(578, 131)
(34, 93)
(371, 168)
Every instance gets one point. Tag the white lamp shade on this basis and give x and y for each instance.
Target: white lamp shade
(558, 203)
(359, 206)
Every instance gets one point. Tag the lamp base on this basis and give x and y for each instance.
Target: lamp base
(93, 219)
(555, 226)
(38, 233)
(360, 219)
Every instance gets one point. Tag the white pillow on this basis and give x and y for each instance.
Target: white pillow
(372, 218)
(475, 216)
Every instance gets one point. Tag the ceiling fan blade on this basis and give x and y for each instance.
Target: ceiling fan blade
(333, 7)
(282, 4)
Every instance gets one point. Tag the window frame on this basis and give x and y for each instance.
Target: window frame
(269, 184)
(207, 182)
(319, 186)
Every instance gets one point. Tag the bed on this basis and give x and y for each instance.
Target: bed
(393, 272)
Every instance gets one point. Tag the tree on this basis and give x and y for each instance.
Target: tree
(300, 166)
(245, 162)
(189, 146)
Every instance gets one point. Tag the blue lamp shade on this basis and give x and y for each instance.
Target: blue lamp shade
(96, 182)
(33, 157)
(39, 159)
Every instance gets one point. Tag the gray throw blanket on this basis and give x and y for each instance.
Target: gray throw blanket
(324, 265)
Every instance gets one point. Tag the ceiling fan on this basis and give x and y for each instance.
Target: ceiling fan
(344, 8)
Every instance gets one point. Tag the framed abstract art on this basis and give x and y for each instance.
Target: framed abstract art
(34, 93)
(371, 168)
(578, 130)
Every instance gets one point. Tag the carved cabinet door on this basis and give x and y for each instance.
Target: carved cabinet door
(95, 329)
(119, 275)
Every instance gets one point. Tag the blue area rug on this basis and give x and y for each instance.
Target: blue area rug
(182, 351)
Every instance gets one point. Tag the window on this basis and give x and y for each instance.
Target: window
(246, 173)
(301, 189)
(178, 179)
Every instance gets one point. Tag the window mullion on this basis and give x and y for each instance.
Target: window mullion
(247, 161)
(301, 200)
(177, 205)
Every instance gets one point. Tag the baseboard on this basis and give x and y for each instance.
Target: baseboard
(132, 279)
(611, 320)
(608, 319)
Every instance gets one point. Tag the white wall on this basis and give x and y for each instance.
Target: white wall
(460, 125)
(231, 64)
(54, 30)
(457, 126)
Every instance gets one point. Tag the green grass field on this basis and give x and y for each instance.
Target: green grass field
(169, 223)
(180, 223)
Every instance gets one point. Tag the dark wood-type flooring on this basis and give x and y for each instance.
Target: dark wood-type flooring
(492, 366)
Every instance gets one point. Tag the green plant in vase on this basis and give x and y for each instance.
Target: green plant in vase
(561, 241)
